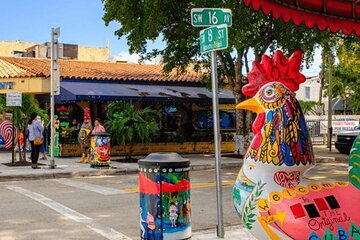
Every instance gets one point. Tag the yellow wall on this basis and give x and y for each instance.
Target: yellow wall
(93, 54)
(27, 85)
(7, 47)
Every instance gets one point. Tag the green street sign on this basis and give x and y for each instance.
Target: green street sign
(213, 38)
(205, 17)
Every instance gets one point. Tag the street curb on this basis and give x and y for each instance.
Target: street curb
(100, 172)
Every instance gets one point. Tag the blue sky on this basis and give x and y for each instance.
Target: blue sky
(80, 22)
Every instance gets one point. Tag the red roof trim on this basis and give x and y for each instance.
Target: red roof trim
(336, 16)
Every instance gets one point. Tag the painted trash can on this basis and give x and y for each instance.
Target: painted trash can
(164, 187)
(100, 150)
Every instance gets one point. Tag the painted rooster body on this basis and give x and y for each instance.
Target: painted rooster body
(270, 193)
(84, 137)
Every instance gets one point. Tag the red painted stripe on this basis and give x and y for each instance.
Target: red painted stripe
(297, 210)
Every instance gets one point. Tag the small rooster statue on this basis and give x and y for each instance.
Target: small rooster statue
(84, 137)
(271, 195)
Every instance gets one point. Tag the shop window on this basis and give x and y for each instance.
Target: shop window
(204, 120)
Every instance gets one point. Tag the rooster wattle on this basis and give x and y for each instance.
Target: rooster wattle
(271, 195)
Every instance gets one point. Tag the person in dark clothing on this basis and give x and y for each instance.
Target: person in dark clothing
(35, 129)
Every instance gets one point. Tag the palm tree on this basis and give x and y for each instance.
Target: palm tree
(127, 124)
(307, 106)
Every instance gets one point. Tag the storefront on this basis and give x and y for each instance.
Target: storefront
(183, 102)
(15, 79)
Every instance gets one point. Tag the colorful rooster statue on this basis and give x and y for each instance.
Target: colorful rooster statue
(271, 195)
(84, 137)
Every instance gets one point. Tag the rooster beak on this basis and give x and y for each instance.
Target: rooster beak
(251, 104)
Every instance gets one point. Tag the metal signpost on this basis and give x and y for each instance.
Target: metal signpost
(54, 87)
(212, 39)
(13, 99)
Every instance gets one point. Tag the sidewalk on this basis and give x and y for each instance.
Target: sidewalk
(231, 233)
(70, 167)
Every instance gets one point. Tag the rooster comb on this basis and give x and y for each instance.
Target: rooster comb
(276, 69)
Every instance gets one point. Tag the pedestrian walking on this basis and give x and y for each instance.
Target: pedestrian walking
(36, 138)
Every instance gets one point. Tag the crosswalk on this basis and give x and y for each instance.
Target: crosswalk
(107, 232)
(57, 205)
(88, 186)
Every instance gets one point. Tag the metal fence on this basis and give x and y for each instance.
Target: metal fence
(314, 131)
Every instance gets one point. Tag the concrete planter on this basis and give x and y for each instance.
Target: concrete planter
(73, 150)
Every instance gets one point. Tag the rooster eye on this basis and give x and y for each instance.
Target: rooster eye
(269, 94)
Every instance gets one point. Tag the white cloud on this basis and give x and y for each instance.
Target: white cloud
(133, 58)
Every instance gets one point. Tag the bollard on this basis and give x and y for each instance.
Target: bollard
(100, 150)
(164, 187)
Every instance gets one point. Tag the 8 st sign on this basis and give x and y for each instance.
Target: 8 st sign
(213, 38)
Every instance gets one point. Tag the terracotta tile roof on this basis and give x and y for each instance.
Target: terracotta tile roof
(8, 70)
(34, 67)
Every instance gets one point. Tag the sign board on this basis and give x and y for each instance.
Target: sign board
(213, 38)
(338, 126)
(13, 99)
(56, 79)
(205, 17)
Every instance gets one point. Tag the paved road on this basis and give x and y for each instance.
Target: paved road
(105, 207)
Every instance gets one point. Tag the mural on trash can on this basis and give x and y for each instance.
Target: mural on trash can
(271, 195)
(100, 150)
(167, 214)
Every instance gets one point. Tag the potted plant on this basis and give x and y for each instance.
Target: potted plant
(127, 125)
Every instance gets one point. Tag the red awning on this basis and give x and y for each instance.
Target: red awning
(333, 14)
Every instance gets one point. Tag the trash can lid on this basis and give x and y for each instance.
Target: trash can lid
(164, 159)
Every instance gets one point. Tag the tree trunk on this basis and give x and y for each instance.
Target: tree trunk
(242, 117)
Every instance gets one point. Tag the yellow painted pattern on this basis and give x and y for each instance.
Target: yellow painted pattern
(263, 205)
(288, 193)
(301, 190)
(279, 216)
(275, 197)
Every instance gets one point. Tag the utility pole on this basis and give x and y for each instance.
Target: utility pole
(330, 130)
(54, 88)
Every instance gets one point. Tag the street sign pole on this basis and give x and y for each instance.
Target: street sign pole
(55, 33)
(13, 99)
(13, 138)
(213, 38)
(217, 144)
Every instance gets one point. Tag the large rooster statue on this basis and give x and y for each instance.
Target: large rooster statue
(271, 195)
(84, 137)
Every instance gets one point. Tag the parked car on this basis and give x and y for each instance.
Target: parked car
(345, 139)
